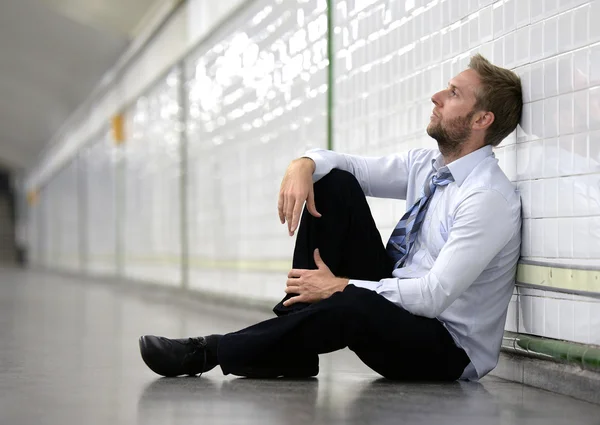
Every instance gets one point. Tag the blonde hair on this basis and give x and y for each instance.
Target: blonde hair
(500, 93)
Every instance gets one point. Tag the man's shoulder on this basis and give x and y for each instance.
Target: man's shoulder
(488, 176)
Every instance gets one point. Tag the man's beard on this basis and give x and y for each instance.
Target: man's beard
(453, 134)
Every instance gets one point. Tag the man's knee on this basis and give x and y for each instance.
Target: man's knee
(350, 300)
(338, 182)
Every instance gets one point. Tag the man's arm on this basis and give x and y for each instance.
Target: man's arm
(382, 177)
(482, 227)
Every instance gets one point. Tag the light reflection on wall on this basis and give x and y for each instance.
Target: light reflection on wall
(256, 101)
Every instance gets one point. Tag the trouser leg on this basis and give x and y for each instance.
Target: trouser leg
(346, 235)
(390, 340)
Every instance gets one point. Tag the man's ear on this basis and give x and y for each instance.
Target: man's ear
(483, 120)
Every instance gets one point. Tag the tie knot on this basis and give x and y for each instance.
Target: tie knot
(442, 178)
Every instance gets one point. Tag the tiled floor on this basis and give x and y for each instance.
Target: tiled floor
(69, 355)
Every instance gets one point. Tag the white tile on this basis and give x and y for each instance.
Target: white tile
(565, 237)
(566, 314)
(485, 21)
(565, 114)
(537, 120)
(595, 323)
(550, 238)
(594, 151)
(536, 42)
(551, 118)
(511, 317)
(526, 314)
(537, 81)
(581, 26)
(581, 204)
(565, 73)
(537, 237)
(538, 316)
(565, 188)
(550, 7)
(550, 158)
(537, 198)
(593, 19)
(594, 229)
(552, 318)
(537, 11)
(565, 32)
(581, 322)
(580, 111)
(522, 13)
(581, 237)
(581, 69)
(550, 37)
(565, 155)
(594, 62)
(594, 108)
(521, 46)
(551, 197)
(550, 77)
(498, 16)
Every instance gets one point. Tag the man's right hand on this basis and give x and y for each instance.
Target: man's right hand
(297, 187)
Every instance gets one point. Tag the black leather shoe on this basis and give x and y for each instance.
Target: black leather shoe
(175, 357)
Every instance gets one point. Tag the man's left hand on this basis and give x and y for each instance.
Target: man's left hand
(313, 285)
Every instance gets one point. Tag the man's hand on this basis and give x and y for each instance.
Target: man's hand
(313, 285)
(297, 187)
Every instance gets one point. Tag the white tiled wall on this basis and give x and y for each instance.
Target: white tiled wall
(391, 56)
(151, 230)
(256, 101)
(98, 162)
(60, 221)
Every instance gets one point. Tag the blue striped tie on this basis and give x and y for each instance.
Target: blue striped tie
(407, 229)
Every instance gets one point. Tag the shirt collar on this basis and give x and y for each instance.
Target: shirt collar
(463, 166)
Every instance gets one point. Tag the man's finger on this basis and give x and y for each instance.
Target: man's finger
(296, 214)
(289, 210)
(280, 208)
(292, 290)
(293, 300)
(296, 273)
(293, 282)
(310, 204)
(318, 260)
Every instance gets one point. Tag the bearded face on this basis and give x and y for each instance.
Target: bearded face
(450, 134)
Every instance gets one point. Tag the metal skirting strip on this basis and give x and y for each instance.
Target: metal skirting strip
(587, 357)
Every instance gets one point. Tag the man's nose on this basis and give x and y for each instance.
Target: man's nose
(436, 99)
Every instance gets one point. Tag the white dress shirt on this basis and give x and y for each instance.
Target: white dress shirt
(461, 268)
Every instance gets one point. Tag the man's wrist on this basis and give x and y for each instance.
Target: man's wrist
(309, 163)
(343, 282)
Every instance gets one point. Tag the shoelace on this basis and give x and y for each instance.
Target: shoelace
(199, 344)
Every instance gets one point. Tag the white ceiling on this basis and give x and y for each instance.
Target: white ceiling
(52, 54)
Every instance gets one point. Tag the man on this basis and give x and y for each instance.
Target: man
(431, 304)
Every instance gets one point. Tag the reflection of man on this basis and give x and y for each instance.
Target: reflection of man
(431, 304)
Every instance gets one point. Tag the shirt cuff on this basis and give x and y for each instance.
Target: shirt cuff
(322, 166)
(366, 284)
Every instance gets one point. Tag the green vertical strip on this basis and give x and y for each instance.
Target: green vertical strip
(183, 181)
(330, 80)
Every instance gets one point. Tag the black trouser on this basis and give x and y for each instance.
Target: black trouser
(390, 340)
